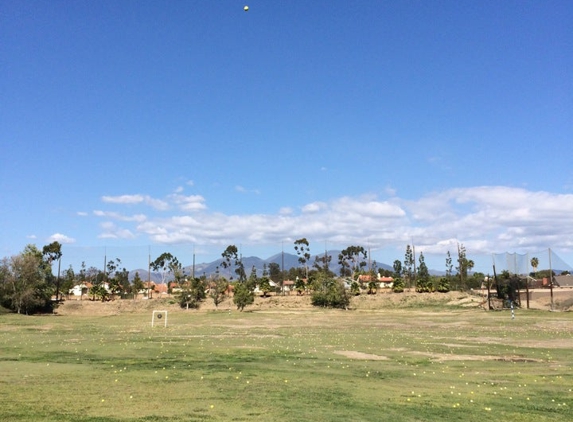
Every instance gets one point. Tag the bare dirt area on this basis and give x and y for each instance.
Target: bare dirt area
(359, 355)
(541, 299)
(293, 303)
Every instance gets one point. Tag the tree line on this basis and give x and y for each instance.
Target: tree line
(28, 285)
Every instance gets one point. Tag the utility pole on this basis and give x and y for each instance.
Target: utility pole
(551, 279)
(193, 268)
(414, 256)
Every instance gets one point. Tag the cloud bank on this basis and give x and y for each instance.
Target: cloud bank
(484, 218)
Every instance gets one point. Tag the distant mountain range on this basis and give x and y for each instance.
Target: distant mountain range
(209, 269)
(287, 259)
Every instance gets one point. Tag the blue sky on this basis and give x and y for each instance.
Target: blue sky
(183, 124)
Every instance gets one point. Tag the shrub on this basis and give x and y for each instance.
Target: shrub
(443, 285)
(192, 294)
(398, 285)
(243, 296)
(331, 294)
(355, 288)
(218, 290)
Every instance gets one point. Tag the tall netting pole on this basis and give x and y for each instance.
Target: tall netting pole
(527, 281)
(517, 271)
(550, 279)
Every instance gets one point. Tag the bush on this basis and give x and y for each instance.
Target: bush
(218, 290)
(331, 294)
(355, 288)
(192, 294)
(398, 285)
(443, 285)
(243, 296)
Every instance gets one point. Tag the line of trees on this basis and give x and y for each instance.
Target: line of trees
(27, 284)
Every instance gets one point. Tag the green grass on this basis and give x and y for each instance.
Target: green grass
(395, 364)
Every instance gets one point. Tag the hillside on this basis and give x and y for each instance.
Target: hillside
(563, 300)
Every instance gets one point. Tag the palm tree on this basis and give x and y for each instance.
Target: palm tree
(534, 264)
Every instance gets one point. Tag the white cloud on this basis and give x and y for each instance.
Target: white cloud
(111, 231)
(314, 207)
(485, 219)
(61, 238)
(117, 216)
(188, 203)
(158, 204)
(390, 191)
(242, 189)
(495, 217)
(123, 199)
(137, 199)
(367, 208)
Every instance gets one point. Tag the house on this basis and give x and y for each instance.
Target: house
(80, 289)
(564, 280)
(150, 289)
(364, 278)
(386, 282)
(383, 282)
(83, 289)
(288, 285)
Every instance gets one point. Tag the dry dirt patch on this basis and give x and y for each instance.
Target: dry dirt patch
(359, 355)
(442, 357)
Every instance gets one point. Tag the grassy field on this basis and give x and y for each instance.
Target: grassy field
(415, 364)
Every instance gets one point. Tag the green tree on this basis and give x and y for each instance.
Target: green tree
(118, 279)
(355, 288)
(122, 278)
(218, 290)
(443, 285)
(99, 292)
(464, 265)
(253, 279)
(409, 265)
(397, 268)
(372, 287)
(277, 275)
(23, 282)
(275, 272)
(535, 265)
(137, 284)
(68, 280)
(351, 260)
(423, 284)
(231, 258)
(330, 293)
(322, 264)
(398, 285)
(167, 264)
(300, 285)
(449, 266)
(51, 254)
(265, 286)
(302, 248)
(243, 296)
(192, 293)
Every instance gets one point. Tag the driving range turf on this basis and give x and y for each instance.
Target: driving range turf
(415, 364)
